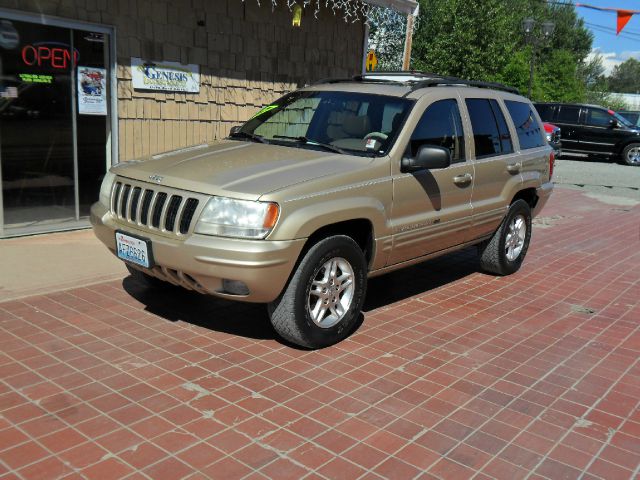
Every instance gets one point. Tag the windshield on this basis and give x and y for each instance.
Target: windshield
(343, 122)
(621, 119)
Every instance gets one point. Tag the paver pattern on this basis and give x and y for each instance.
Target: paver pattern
(452, 374)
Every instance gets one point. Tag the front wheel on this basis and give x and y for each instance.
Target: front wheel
(631, 154)
(504, 253)
(323, 299)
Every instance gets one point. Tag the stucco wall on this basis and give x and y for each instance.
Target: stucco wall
(248, 56)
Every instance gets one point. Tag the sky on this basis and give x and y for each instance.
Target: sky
(614, 49)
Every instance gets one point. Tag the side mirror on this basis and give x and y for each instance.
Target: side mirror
(235, 129)
(613, 123)
(428, 157)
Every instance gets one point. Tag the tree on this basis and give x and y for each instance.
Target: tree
(625, 77)
(465, 39)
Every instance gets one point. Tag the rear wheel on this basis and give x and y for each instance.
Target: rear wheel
(631, 154)
(504, 253)
(322, 302)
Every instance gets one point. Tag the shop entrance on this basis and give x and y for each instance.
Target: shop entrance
(55, 124)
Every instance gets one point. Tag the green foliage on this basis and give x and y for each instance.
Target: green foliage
(463, 38)
(625, 77)
(484, 41)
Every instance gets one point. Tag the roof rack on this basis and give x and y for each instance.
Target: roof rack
(416, 80)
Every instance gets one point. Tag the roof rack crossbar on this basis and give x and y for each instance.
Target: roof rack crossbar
(444, 81)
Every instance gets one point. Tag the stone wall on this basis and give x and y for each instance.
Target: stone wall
(248, 56)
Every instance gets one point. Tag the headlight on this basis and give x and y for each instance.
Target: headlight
(105, 189)
(548, 135)
(237, 218)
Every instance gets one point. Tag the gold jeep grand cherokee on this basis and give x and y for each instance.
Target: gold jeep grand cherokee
(330, 185)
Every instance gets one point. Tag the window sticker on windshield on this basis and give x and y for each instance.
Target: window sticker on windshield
(266, 109)
(371, 144)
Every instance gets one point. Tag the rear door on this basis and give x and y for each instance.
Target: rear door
(497, 167)
(432, 208)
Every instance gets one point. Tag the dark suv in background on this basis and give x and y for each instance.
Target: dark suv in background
(590, 130)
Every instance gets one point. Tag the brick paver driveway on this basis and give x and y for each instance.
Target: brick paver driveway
(452, 374)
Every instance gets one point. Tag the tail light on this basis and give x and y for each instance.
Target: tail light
(552, 161)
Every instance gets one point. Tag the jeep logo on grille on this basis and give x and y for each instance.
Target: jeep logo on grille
(156, 178)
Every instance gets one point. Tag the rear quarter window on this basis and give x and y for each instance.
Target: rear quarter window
(526, 123)
(545, 111)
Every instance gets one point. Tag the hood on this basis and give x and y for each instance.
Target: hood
(239, 169)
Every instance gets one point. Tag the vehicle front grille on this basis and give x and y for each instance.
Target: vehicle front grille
(153, 208)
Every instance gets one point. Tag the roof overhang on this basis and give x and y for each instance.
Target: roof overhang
(403, 6)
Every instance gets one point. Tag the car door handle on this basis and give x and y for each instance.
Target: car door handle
(514, 167)
(462, 179)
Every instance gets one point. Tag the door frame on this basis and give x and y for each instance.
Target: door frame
(112, 113)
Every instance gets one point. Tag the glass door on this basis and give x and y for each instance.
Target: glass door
(36, 148)
(54, 124)
(91, 114)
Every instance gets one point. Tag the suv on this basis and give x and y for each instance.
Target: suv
(590, 130)
(329, 185)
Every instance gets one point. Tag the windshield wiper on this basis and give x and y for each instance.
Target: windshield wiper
(307, 141)
(250, 136)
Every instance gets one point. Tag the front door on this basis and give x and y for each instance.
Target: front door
(597, 134)
(432, 208)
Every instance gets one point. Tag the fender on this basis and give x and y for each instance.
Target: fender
(301, 221)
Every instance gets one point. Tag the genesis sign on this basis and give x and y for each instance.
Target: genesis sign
(164, 76)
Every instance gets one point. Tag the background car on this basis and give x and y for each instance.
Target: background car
(553, 135)
(593, 131)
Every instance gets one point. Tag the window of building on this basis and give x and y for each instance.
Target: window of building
(527, 126)
(440, 125)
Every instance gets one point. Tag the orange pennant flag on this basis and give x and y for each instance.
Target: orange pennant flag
(623, 18)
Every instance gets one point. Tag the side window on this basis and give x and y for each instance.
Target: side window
(505, 137)
(598, 118)
(488, 138)
(441, 126)
(568, 114)
(527, 126)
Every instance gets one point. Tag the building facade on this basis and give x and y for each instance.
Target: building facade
(71, 101)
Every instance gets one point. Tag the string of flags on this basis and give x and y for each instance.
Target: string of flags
(623, 15)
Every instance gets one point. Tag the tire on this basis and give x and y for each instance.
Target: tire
(146, 279)
(297, 314)
(504, 253)
(631, 154)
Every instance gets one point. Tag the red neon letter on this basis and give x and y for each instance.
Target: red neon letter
(44, 53)
(58, 58)
(29, 55)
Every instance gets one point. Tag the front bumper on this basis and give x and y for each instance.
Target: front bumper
(544, 191)
(202, 262)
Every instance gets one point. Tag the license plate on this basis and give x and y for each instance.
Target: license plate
(134, 250)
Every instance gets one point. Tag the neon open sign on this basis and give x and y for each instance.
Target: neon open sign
(49, 54)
